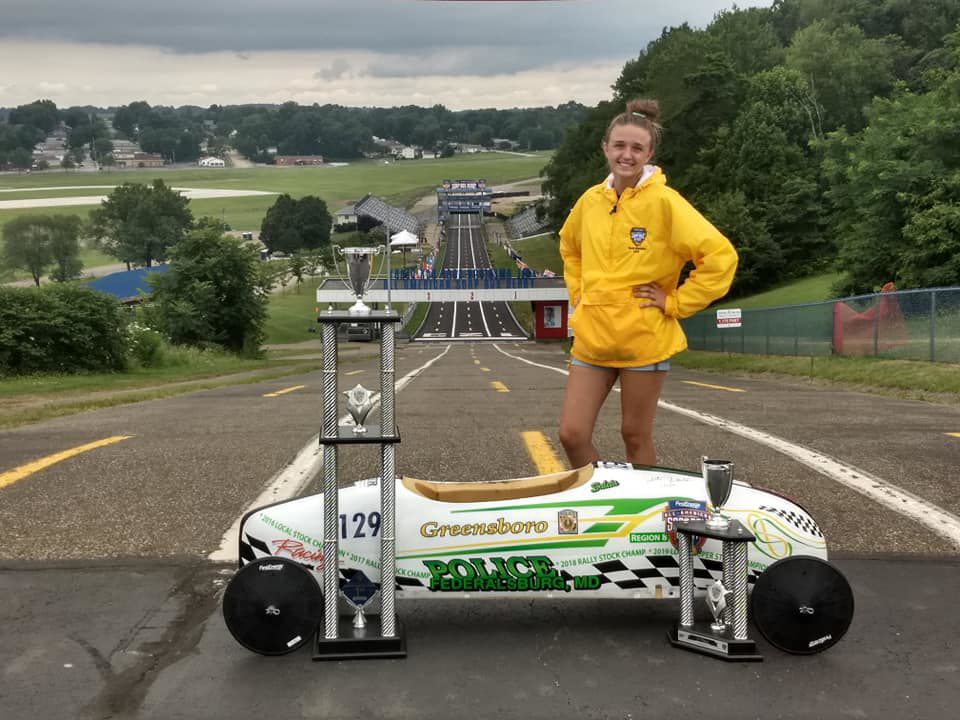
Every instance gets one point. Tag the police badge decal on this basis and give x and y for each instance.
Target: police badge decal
(638, 235)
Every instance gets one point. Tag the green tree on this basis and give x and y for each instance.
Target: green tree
(40, 114)
(26, 245)
(893, 189)
(294, 225)
(760, 257)
(137, 223)
(129, 118)
(64, 233)
(213, 293)
(844, 69)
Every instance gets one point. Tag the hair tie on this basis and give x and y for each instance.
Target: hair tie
(639, 114)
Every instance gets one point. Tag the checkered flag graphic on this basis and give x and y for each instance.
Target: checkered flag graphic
(804, 523)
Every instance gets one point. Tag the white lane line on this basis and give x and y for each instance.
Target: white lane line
(943, 523)
(483, 316)
(292, 479)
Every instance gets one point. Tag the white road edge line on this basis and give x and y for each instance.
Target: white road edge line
(292, 479)
(943, 523)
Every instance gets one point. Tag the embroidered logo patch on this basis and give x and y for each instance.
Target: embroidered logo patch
(638, 235)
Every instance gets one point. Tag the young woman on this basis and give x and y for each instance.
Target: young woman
(623, 247)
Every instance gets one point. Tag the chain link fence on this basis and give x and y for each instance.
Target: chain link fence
(903, 325)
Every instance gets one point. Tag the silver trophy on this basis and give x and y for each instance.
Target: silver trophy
(718, 477)
(717, 602)
(357, 260)
(359, 405)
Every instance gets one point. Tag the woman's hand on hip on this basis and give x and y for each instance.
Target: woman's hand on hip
(651, 295)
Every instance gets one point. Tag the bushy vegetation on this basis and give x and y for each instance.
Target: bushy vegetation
(212, 295)
(61, 329)
(816, 135)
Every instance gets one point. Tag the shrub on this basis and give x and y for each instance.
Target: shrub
(145, 346)
(60, 328)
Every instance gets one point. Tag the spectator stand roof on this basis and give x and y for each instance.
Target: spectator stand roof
(525, 224)
(128, 285)
(395, 218)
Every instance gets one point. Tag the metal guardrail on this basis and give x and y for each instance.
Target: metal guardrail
(904, 325)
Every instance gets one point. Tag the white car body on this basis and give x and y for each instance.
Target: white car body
(604, 530)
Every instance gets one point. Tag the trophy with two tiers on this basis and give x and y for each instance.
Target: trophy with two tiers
(726, 636)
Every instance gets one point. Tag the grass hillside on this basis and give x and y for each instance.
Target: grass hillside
(806, 290)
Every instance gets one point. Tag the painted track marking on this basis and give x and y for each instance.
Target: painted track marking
(499, 386)
(943, 523)
(712, 387)
(277, 393)
(542, 453)
(291, 480)
(19, 473)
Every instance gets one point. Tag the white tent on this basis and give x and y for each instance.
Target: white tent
(403, 239)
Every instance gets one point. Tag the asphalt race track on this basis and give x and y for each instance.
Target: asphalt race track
(471, 321)
(111, 600)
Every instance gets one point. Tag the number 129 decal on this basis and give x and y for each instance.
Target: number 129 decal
(358, 523)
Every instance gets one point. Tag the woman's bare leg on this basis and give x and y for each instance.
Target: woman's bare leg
(586, 390)
(639, 392)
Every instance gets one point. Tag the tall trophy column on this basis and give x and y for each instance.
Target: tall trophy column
(362, 635)
(331, 506)
(388, 487)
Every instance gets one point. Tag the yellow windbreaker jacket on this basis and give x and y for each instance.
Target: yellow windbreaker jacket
(609, 246)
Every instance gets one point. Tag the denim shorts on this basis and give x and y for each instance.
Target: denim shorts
(661, 366)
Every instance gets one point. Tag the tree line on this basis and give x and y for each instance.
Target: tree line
(257, 131)
(818, 135)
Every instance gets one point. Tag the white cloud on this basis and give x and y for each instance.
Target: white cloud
(362, 52)
(104, 76)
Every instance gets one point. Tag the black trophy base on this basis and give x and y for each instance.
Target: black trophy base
(360, 644)
(700, 638)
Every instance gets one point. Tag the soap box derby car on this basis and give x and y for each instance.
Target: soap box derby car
(605, 530)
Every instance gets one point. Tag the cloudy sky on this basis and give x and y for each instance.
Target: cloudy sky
(461, 53)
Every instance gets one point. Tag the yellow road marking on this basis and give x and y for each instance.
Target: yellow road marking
(485, 369)
(19, 473)
(353, 372)
(713, 387)
(285, 391)
(541, 453)
(476, 362)
(499, 386)
(956, 435)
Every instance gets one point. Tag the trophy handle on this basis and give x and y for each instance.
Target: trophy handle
(338, 250)
(383, 259)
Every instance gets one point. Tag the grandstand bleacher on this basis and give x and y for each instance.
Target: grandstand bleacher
(524, 224)
(396, 218)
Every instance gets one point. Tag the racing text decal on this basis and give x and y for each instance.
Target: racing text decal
(520, 573)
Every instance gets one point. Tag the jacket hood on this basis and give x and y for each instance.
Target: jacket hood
(652, 175)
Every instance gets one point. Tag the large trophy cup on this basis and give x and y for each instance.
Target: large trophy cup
(725, 637)
(357, 261)
(718, 477)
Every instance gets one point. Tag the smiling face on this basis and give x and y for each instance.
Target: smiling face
(628, 149)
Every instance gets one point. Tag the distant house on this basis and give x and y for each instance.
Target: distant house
(345, 216)
(211, 162)
(294, 160)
